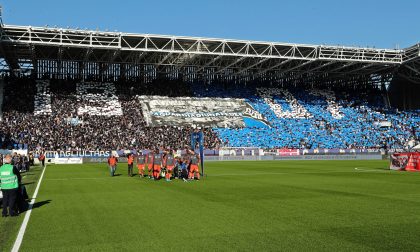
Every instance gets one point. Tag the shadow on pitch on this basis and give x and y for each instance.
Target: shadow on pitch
(23, 205)
(40, 203)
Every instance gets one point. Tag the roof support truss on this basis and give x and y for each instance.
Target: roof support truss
(197, 56)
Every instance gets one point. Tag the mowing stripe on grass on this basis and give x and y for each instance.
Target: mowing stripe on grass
(289, 173)
(237, 174)
(216, 175)
(78, 178)
(365, 169)
(22, 229)
(249, 174)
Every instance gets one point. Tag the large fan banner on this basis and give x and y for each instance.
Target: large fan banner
(193, 111)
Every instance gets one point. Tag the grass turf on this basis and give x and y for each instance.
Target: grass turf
(239, 206)
(9, 226)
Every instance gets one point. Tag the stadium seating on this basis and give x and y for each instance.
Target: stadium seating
(42, 105)
(101, 116)
(83, 116)
(98, 99)
(314, 118)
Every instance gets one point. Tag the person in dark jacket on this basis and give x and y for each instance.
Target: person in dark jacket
(31, 159)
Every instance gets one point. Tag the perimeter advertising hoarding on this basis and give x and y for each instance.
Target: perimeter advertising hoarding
(288, 152)
(72, 160)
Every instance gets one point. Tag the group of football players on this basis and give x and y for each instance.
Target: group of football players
(161, 164)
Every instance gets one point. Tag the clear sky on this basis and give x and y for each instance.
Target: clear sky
(382, 24)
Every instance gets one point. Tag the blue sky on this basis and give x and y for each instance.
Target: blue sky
(382, 24)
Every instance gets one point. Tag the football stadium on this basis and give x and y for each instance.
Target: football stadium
(120, 141)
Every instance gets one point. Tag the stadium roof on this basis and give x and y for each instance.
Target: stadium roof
(119, 54)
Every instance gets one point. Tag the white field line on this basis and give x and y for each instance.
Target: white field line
(22, 229)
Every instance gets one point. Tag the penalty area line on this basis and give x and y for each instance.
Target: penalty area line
(19, 238)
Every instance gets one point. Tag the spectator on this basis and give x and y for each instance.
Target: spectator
(10, 180)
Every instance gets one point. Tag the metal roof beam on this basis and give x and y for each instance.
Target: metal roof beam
(110, 60)
(230, 65)
(416, 70)
(315, 68)
(136, 59)
(342, 67)
(192, 45)
(360, 68)
(251, 66)
(296, 67)
(273, 67)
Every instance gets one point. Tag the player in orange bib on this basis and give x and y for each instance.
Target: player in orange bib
(194, 162)
(157, 164)
(112, 162)
(169, 164)
(150, 163)
(130, 162)
(141, 162)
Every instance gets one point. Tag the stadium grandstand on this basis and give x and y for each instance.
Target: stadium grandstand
(114, 141)
(106, 90)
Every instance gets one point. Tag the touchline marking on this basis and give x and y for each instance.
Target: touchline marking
(22, 229)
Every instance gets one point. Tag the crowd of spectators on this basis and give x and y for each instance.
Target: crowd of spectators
(64, 115)
(310, 117)
(67, 127)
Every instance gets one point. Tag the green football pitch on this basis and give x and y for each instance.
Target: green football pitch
(238, 206)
